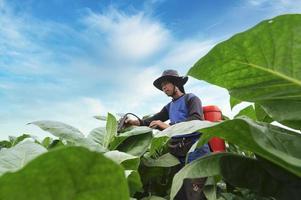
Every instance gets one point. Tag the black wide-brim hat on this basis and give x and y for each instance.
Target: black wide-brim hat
(171, 76)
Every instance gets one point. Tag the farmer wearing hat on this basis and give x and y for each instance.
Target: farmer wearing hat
(183, 107)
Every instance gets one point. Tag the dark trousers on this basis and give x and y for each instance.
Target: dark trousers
(192, 189)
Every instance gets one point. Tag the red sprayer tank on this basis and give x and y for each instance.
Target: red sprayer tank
(214, 114)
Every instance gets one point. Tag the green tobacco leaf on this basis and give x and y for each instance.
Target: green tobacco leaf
(66, 173)
(46, 142)
(5, 144)
(69, 134)
(157, 180)
(260, 64)
(134, 181)
(158, 145)
(55, 144)
(98, 135)
(278, 145)
(285, 112)
(234, 102)
(100, 117)
(261, 115)
(59, 129)
(153, 198)
(242, 172)
(138, 130)
(224, 117)
(203, 167)
(16, 157)
(248, 111)
(128, 161)
(111, 128)
(18, 139)
(243, 196)
(185, 128)
(137, 145)
(266, 180)
(166, 160)
(210, 188)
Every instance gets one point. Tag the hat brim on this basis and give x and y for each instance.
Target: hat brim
(179, 81)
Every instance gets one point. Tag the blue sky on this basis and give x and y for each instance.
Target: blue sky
(68, 60)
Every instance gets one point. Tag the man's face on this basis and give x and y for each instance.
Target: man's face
(168, 88)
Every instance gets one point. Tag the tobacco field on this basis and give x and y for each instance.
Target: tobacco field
(263, 161)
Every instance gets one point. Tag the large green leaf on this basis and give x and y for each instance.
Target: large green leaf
(204, 167)
(134, 181)
(138, 130)
(153, 198)
(261, 115)
(166, 160)
(100, 117)
(5, 144)
(210, 188)
(59, 129)
(111, 128)
(137, 145)
(46, 142)
(158, 146)
(68, 133)
(15, 140)
(260, 64)
(244, 194)
(184, 128)
(248, 111)
(266, 180)
(234, 102)
(16, 157)
(157, 180)
(56, 144)
(285, 112)
(66, 173)
(242, 172)
(128, 161)
(273, 143)
(98, 135)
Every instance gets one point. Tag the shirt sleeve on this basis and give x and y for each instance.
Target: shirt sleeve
(162, 115)
(195, 109)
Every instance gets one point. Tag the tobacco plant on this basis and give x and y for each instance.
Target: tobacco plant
(263, 161)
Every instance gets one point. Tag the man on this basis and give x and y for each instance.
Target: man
(172, 85)
(183, 107)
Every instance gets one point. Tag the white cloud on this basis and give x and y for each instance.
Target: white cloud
(277, 7)
(136, 92)
(210, 94)
(129, 36)
(215, 95)
(183, 54)
(257, 2)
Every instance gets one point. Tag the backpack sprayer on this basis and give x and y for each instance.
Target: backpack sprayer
(211, 113)
(122, 124)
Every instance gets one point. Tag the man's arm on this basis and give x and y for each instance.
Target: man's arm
(154, 121)
(162, 116)
(195, 109)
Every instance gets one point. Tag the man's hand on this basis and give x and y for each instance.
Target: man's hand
(158, 124)
(130, 122)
